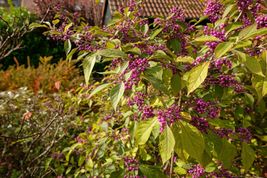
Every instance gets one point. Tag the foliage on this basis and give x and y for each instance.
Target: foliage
(185, 99)
(47, 77)
(33, 127)
(89, 10)
(17, 40)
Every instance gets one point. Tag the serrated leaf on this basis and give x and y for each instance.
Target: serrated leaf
(144, 130)
(166, 144)
(196, 76)
(248, 156)
(192, 141)
(223, 48)
(206, 38)
(116, 94)
(227, 153)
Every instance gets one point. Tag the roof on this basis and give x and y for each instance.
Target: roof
(191, 8)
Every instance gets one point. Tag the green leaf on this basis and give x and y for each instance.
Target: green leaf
(175, 45)
(116, 94)
(144, 130)
(196, 76)
(37, 25)
(178, 148)
(223, 48)
(135, 50)
(155, 33)
(176, 84)
(98, 89)
(112, 53)
(227, 154)
(248, 31)
(228, 9)
(260, 85)
(242, 44)
(248, 156)
(88, 65)
(151, 171)
(253, 65)
(192, 141)
(159, 54)
(155, 81)
(67, 46)
(185, 59)
(206, 39)
(233, 26)
(166, 144)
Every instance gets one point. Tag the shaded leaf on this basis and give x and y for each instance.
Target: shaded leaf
(248, 156)
(227, 153)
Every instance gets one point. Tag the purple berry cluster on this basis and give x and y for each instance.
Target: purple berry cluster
(213, 10)
(85, 42)
(221, 173)
(220, 34)
(196, 171)
(219, 63)
(61, 34)
(208, 108)
(200, 123)
(225, 81)
(224, 132)
(244, 4)
(262, 21)
(244, 134)
(148, 112)
(139, 101)
(168, 116)
(136, 66)
(131, 164)
(172, 28)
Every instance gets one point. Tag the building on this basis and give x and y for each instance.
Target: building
(150, 8)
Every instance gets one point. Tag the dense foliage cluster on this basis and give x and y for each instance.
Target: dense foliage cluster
(185, 99)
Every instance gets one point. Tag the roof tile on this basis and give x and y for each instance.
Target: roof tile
(191, 8)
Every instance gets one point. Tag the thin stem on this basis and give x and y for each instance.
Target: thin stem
(171, 166)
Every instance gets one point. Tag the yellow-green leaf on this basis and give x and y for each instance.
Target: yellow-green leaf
(166, 144)
(196, 76)
(223, 48)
